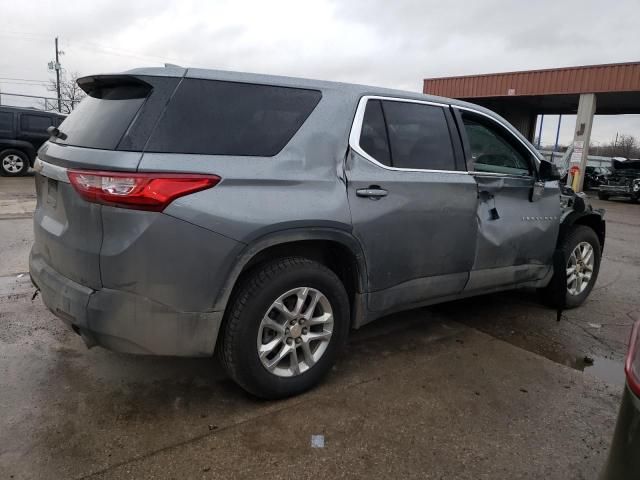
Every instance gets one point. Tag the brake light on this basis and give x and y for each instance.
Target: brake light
(140, 191)
(632, 365)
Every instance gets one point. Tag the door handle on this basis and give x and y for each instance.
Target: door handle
(373, 192)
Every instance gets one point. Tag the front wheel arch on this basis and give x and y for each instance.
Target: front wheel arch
(591, 219)
(555, 294)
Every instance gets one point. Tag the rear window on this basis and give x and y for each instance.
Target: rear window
(228, 118)
(100, 120)
(35, 123)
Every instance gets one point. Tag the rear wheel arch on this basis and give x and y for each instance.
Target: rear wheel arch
(23, 146)
(337, 250)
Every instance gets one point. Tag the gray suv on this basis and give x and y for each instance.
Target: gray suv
(186, 212)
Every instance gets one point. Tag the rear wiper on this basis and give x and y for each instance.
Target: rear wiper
(56, 133)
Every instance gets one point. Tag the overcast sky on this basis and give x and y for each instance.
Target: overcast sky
(392, 43)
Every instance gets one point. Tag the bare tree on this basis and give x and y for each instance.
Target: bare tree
(626, 146)
(70, 94)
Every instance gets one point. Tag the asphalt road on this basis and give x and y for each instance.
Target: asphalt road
(492, 387)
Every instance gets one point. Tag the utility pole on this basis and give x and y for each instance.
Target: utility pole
(58, 77)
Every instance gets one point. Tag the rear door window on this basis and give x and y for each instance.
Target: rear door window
(418, 136)
(6, 122)
(228, 118)
(102, 117)
(373, 137)
(37, 124)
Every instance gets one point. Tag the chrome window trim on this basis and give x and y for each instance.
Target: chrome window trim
(356, 129)
(51, 171)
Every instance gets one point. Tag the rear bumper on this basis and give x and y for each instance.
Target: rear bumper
(123, 321)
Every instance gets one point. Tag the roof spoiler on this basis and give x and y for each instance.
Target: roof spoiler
(93, 83)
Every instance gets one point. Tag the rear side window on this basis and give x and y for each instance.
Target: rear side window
(100, 120)
(6, 122)
(418, 136)
(228, 118)
(373, 138)
(35, 123)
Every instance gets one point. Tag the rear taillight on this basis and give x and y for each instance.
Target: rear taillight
(140, 191)
(632, 365)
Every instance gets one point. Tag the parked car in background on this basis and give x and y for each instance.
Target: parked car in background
(594, 177)
(22, 132)
(623, 181)
(182, 211)
(624, 455)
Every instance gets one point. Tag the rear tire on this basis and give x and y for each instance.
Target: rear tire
(568, 290)
(603, 196)
(245, 331)
(13, 163)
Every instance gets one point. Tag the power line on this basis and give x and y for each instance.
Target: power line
(31, 84)
(33, 39)
(118, 52)
(29, 80)
(30, 34)
(91, 46)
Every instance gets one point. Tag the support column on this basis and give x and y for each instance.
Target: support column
(581, 138)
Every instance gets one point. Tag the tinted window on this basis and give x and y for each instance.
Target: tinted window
(228, 118)
(100, 120)
(493, 150)
(35, 123)
(373, 137)
(6, 122)
(418, 136)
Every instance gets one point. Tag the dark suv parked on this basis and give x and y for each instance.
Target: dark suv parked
(623, 181)
(22, 132)
(181, 211)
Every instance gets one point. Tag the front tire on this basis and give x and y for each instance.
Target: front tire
(285, 327)
(603, 196)
(13, 163)
(582, 253)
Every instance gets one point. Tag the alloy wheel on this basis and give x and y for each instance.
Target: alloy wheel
(295, 332)
(580, 268)
(12, 163)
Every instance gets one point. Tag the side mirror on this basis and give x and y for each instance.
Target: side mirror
(548, 171)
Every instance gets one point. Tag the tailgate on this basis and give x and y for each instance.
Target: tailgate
(67, 229)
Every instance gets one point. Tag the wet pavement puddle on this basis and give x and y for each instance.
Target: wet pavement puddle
(611, 371)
